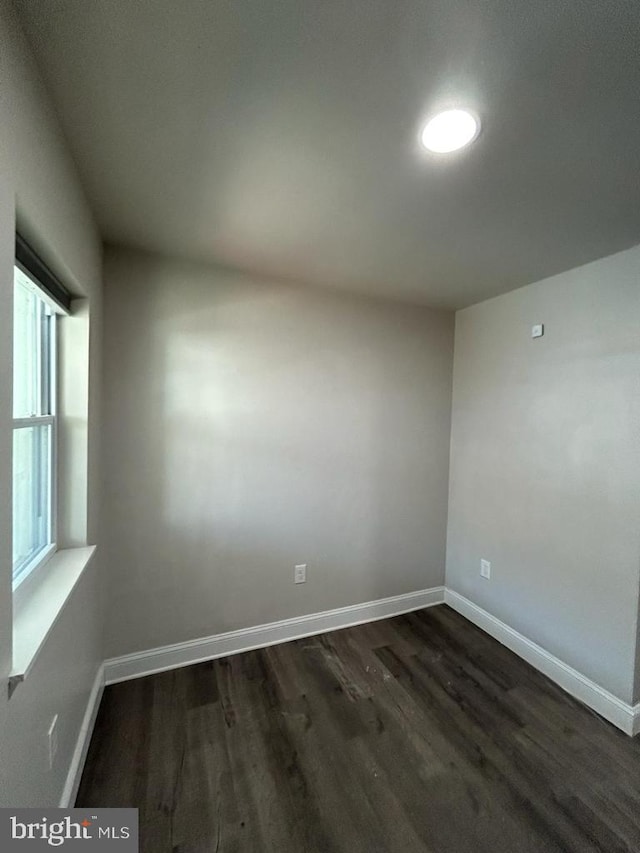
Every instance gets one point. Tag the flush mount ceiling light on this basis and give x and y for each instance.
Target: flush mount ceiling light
(450, 130)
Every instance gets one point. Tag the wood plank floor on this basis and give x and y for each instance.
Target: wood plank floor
(418, 733)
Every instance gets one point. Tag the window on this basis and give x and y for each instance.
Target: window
(38, 298)
(34, 426)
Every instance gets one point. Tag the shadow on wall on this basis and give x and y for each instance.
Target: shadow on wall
(253, 427)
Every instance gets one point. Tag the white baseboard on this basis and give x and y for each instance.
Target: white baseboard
(230, 643)
(625, 717)
(76, 767)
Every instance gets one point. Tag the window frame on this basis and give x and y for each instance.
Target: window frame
(31, 273)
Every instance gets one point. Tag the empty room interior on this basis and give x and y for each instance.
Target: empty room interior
(320, 439)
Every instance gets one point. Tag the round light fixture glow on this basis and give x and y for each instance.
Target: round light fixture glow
(450, 130)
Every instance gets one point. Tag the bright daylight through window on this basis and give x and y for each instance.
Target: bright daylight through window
(34, 427)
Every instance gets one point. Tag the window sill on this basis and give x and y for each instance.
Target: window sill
(38, 614)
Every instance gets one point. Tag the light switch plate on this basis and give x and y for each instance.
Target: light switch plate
(537, 331)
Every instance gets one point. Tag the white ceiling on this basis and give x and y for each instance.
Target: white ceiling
(280, 136)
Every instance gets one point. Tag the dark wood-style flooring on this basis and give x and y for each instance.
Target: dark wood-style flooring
(418, 733)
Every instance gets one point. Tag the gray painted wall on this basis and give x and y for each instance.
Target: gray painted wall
(252, 425)
(545, 465)
(38, 180)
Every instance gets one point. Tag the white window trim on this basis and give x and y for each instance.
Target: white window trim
(41, 593)
(36, 615)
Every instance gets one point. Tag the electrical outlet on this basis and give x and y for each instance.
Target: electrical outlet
(300, 573)
(53, 740)
(485, 569)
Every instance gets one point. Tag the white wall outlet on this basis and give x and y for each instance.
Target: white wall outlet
(537, 331)
(52, 734)
(300, 573)
(485, 569)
